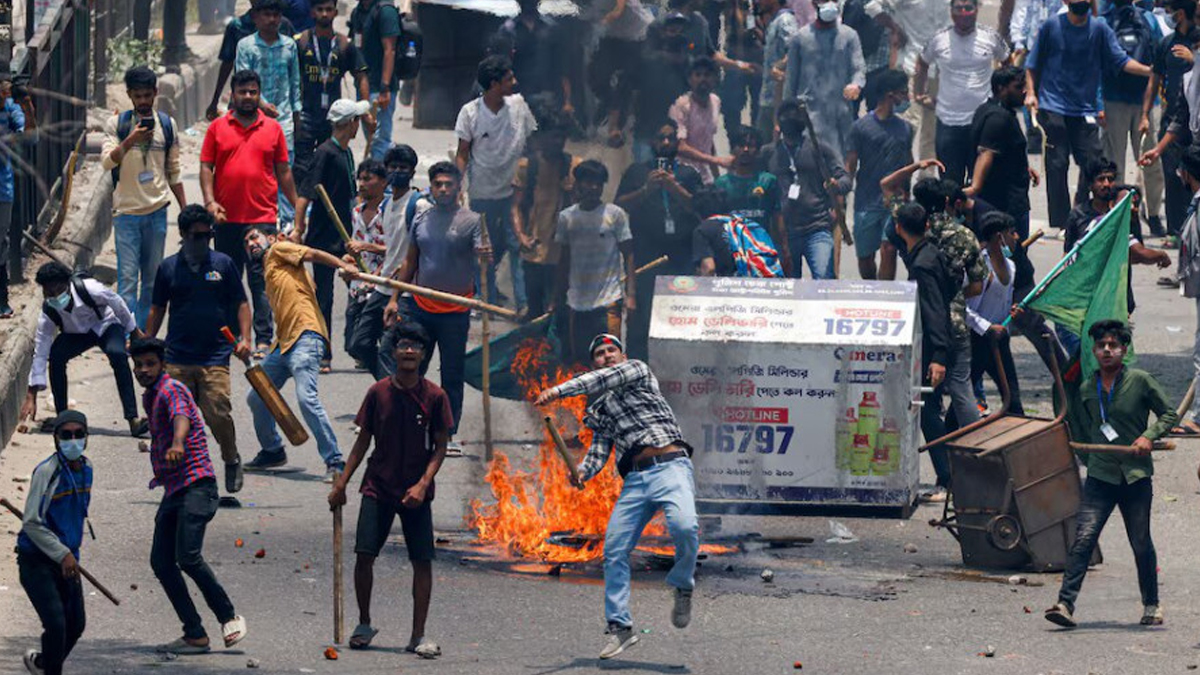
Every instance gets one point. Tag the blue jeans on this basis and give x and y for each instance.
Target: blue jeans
(816, 246)
(668, 486)
(1099, 500)
(140, 242)
(497, 213)
(449, 333)
(302, 362)
(382, 140)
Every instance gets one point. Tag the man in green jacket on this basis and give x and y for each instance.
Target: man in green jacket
(1113, 407)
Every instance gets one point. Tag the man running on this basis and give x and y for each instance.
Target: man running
(630, 415)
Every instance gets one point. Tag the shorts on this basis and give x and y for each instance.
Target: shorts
(868, 231)
(375, 524)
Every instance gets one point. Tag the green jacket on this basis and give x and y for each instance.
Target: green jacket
(1137, 395)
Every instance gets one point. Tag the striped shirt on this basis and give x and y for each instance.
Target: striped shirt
(630, 414)
(164, 401)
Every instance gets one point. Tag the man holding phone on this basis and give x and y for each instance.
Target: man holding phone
(141, 151)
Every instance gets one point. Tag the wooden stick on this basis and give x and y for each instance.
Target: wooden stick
(439, 295)
(1032, 238)
(341, 227)
(337, 576)
(561, 447)
(485, 262)
(1104, 449)
(42, 247)
(86, 574)
(1187, 400)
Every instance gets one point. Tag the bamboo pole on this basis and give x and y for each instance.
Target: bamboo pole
(485, 263)
(341, 227)
(337, 576)
(561, 447)
(439, 295)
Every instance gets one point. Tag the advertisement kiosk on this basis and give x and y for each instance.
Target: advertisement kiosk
(798, 396)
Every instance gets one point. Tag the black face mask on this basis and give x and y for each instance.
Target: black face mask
(194, 250)
(400, 179)
(1079, 8)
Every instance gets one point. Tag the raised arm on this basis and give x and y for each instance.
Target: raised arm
(603, 379)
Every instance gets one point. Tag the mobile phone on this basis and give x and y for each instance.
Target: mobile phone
(146, 123)
(664, 164)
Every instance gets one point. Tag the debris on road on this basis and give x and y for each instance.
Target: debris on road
(910, 548)
(841, 534)
(331, 653)
(990, 652)
(260, 553)
(797, 665)
(1018, 580)
(767, 575)
(251, 663)
(238, 543)
(133, 587)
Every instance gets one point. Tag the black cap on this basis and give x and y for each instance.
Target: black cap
(69, 416)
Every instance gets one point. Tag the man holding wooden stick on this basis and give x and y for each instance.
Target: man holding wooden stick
(56, 507)
(445, 241)
(629, 414)
(409, 418)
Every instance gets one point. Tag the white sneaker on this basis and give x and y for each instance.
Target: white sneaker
(31, 657)
(620, 638)
(1152, 615)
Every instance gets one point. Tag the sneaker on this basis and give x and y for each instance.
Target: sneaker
(233, 477)
(139, 427)
(681, 613)
(1060, 615)
(620, 638)
(1168, 282)
(333, 471)
(454, 449)
(32, 658)
(267, 459)
(1152, 615)
(1154, 224)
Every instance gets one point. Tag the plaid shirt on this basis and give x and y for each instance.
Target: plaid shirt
(629, 415)
(279, 67)
(163, 402)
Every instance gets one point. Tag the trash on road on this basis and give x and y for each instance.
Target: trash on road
(260, 553)
(251, 663)
(910, 548)
(841, 534)
(238, 543)
(767, 575)
(331, 653)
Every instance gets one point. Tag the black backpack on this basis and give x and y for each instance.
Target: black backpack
(1133, 33)
(410, 45)
(125, 127)
(84, 295)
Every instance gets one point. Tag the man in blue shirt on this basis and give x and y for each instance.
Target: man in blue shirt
(1063, 87)
(12, 121)
(204, 291)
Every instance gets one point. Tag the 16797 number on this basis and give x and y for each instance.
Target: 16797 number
(763, 438)
(876, 327)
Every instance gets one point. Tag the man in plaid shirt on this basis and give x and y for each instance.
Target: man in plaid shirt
(630, 414)
(179, 457)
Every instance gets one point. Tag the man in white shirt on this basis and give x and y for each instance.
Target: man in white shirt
(964, 54)
(987, 311)
(79, 314)
(492, 131)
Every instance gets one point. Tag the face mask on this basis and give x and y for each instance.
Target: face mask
(901, 107)
(60, 301)
(400, 179)
(194, 249)
(827, 12)
(1004, 249)
(73, 448)
(1079, 8)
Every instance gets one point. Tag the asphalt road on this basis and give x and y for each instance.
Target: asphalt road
(862, 607)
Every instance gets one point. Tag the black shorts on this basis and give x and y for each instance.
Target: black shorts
(375, 524)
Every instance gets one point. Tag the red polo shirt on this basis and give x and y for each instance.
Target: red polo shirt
(244, 159)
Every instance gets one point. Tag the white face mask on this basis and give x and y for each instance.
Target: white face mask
(72, 448)
(827, 12)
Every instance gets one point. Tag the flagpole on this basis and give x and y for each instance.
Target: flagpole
(1037, 290)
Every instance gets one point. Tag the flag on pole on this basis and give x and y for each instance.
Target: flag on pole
(1090, 283)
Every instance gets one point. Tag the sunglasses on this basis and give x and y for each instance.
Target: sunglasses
(405, 345)
(72, 435)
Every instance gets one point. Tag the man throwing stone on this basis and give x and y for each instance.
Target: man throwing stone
(630, 415)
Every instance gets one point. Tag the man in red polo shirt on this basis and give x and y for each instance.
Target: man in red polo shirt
(243, 165)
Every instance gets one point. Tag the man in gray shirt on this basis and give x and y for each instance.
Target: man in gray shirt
(825, 68)
(443, 251)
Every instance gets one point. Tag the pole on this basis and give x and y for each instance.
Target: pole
(439, 295)
(84, 573)
(485, 263)
(841, 231)
(561, 447)
(337, 575)
(337, 221)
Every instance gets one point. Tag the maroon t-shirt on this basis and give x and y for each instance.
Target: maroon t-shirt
(403, 423)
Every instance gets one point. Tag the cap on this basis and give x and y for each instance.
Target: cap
(344, 109)
(69, 416)
(605, 339)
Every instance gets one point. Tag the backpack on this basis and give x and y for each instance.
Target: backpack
(1133, 33)
(409, 43)
(125, 127)
(84, 295)
(754, 252)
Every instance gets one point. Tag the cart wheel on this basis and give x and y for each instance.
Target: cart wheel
(1004, 532)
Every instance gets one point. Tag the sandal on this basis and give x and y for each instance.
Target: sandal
(182, 647)
(424, 648)
(326, 367)
(234, 631)
(260, 352)
(1184, 431)
(362, 636)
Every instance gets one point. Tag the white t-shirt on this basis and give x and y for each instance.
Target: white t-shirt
(497, 143)
(965, 64)
(596, 269)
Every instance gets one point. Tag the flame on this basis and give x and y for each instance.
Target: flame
(531, 504)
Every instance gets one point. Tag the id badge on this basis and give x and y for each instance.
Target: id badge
(669, 225)
(794, 192)
(145, 177)
(325, 100)
(1109, 432)
(358, 40)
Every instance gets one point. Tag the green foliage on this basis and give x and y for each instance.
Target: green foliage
(126, 52)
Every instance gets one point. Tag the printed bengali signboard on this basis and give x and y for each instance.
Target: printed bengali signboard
(791, 390)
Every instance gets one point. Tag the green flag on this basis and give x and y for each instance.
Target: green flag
(1090, 283)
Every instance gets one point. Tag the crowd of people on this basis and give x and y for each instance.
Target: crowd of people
(905, 125)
